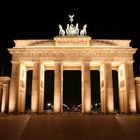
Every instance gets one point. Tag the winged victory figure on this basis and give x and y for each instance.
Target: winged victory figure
(71, 18)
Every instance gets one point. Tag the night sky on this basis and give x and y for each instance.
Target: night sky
(40, 19)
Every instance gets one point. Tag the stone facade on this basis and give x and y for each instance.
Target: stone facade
(4, 94)
(72, 53)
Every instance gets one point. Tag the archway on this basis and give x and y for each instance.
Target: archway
(28, 90)
(49, 90)
(115, 90)
(95, 91)
(72, 90)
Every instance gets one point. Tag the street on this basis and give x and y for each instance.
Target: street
(69, 126)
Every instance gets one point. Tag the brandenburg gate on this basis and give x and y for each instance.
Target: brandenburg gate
(73, 51)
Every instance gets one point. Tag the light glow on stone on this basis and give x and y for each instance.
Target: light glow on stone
(72, 52)
(12, 105)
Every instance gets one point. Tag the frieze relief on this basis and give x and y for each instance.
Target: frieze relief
(102, 84)
(122, 84)
(22, 84)
(72, 43)
(41, 84)
(72, 53)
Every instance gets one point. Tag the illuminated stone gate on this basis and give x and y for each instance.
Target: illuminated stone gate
(72, 50)
(72, 53)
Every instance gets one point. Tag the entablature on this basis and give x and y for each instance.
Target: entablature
(66, 54)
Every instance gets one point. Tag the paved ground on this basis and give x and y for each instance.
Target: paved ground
(70, 127)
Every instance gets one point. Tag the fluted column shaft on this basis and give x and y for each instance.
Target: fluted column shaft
(41, 88)
(127, 94)
(130, 87)
(4, 105)
(86, 88)
(107, 102)
(58, 100)
(0, 94)
(35, 88)
(14, 86)
(137, 81)
(22, 88)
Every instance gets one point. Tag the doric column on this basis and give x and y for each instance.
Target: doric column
(41, 88)
(86, 88)
(35, 87)
(4, 105)
(106, 85)
(0, 94)
(14, 85)
(131, 87)
(22, 88)
(58, 83)
(5, 94)
(123, 97)
(127, 93)
(137, 81)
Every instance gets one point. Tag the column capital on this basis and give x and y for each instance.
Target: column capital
(132, 61)
(15, 62)
(0, 84)
(56, 62)
(36, 61)
(59, 63)
(22, 62)
(4, 84)
(106, 62)
(86, 61)
(4, 80)
(137, 80)
(126, 62)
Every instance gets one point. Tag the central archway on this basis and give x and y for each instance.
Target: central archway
(72, 89)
